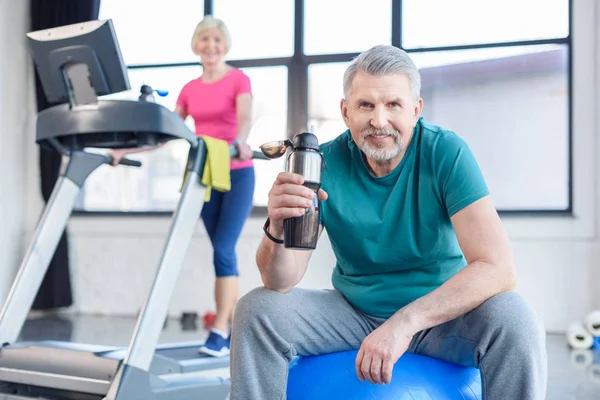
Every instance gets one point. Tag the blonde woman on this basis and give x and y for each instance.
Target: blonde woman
(220, 103)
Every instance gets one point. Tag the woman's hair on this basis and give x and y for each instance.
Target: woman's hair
(210, 22)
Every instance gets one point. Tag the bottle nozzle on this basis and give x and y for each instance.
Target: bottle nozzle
(275, 149)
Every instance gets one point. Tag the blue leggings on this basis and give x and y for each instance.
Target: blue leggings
(224, 217)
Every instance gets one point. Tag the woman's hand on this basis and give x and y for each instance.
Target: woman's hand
(244, 151)
(117, 155)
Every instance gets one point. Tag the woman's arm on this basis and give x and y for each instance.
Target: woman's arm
(243, 105)
(181, 112)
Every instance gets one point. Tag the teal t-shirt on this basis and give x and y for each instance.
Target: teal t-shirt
(392, 236)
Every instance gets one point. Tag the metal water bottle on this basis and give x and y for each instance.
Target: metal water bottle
(305, 158)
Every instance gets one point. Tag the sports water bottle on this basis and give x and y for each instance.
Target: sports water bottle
(305, 158)
(146, 94)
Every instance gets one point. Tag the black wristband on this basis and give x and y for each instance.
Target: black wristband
(266, 229)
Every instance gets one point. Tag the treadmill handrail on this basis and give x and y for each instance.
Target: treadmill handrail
(144, 340)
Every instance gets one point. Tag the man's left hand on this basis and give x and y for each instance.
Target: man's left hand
(380, 351)
(245, 152)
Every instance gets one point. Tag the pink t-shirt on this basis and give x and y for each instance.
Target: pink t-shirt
(212, 106)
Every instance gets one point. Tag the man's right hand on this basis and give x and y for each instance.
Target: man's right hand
(288, 198)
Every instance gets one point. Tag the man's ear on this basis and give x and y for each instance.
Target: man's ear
(418, 110)
(344, 111)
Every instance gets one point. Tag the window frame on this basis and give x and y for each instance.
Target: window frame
(298, 65)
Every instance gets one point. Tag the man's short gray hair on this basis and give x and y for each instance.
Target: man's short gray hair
(381, 61)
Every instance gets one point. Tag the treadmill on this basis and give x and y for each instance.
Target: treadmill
(77, 64)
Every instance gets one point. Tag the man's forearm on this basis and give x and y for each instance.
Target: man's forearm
(466, 290)
(277, 265)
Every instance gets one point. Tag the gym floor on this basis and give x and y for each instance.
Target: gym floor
(566, 381)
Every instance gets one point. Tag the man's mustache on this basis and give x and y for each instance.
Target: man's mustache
(374, 131)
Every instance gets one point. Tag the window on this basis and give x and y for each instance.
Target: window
(488, 73)
(335, 26)
(260, 36)
(154, 33)
(511, 105)
(269, 123)
(324, 94)
(465, 22)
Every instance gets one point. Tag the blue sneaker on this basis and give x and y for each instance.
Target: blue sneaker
(217, 345)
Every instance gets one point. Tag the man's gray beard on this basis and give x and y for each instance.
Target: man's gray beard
(380, 154)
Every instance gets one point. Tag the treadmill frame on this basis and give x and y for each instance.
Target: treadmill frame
(133, 376)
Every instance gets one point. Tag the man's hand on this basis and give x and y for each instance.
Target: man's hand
(380, 351)
(281, 269)
(289, 198)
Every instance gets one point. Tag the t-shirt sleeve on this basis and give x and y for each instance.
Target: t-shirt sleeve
(459, 177)
(243, 84)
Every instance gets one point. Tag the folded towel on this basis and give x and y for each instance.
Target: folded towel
(216, 174)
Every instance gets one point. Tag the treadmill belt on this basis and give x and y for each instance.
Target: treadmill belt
(182, 353)
(190, 360)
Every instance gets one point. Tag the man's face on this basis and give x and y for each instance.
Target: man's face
(381, 113)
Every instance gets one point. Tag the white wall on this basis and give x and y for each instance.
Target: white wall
(114, 259)
(16, 135)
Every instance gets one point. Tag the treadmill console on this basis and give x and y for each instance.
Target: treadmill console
(76, 65)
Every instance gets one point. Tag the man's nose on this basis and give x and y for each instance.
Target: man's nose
(379, 118)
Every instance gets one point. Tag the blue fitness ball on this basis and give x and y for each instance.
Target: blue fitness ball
(415, 377)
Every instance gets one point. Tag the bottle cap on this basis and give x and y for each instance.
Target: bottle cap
(146, 89)
(305, 141)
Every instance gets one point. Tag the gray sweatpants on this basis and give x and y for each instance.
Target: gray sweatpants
(503, 337)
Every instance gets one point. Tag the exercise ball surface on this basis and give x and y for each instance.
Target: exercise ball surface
(414, 377)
